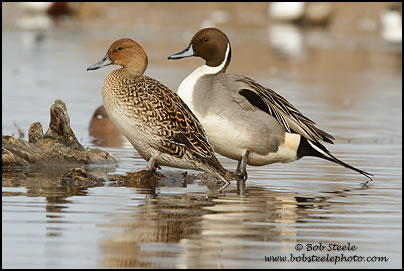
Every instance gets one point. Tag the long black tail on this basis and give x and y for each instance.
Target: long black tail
(314, 148)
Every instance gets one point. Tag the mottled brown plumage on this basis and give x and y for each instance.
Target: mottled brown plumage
(154, 119)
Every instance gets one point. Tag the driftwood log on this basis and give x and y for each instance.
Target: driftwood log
(58, 145)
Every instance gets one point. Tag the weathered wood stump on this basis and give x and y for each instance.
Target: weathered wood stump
(59, 145)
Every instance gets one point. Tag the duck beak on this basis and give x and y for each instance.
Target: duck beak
(187, 52)
(104, 62)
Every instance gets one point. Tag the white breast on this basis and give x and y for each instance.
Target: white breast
(186, 88)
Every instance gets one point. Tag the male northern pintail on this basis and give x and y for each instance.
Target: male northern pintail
(244, 120)
(153, 118)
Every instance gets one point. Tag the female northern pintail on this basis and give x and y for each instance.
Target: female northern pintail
(153, 118)
(244, 120)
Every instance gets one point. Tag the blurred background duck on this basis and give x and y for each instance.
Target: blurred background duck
(41, 15)
(103, 131)
(49, 8)
(391, 24)
(310, 13)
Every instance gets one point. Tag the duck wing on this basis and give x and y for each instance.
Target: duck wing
(288, 116)
(185, 129)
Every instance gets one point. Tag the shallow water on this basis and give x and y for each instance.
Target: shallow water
(349, 84)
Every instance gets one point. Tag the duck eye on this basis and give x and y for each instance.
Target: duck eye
(205, 39)
(120, 48)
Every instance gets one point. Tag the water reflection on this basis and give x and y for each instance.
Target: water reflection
(46, 182)
(204, 225)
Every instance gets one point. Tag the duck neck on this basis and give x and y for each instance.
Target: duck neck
(137, 65)
(207, 69)
(186, 88)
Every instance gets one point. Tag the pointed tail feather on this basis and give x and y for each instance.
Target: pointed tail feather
(313, 148)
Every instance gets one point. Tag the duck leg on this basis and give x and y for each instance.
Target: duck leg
(151, 165)
(238, 171)
(223, 187)
(241, 171)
